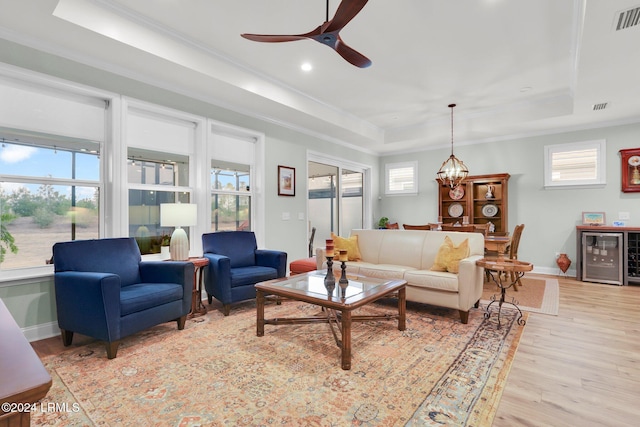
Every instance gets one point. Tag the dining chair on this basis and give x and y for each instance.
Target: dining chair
(311, 237)
(466, 228)
(482, 228)
(513, 251)
(417, 227)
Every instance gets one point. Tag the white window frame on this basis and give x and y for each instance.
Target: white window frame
(389, 167)
(217, 129)
(601, 177)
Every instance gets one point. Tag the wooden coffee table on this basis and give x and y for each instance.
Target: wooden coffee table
(337, 311)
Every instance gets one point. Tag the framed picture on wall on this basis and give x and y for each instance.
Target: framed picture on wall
(593, 218)
(630, 179)
(286, 181)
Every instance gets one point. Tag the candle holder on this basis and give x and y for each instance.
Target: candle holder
(329, 279)
(343, 282)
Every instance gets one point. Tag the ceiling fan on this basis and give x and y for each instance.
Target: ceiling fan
(327, 33)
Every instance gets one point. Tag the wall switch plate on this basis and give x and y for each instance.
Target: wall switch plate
(301, 216)
(286, 216)
(624, 215)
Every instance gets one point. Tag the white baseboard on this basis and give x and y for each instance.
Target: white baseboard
(553, 271)
(41, 331)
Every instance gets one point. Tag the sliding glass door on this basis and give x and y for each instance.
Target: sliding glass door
(335, 200)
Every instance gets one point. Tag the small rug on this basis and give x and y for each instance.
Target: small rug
(217, 372)
(536, 295)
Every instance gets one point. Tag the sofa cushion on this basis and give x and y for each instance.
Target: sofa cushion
(393, 247)
(441, 281)
(380, 271)
(350, 244)
(449, 256)
(242, 276)
(141, 296)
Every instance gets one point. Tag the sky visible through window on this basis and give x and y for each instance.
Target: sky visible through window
(34, 162)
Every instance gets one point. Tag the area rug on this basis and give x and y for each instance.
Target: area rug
(536, 295)
(217, 372)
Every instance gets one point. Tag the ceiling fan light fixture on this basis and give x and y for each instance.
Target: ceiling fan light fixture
(327, 33)
(453, 170)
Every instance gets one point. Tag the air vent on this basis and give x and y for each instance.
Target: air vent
(628, 18)
(600, 106)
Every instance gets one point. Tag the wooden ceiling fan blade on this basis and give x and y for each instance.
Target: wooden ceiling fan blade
(347, 10)
(266, 38)
(351, 55)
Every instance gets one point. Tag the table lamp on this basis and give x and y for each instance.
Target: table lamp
(178, 215)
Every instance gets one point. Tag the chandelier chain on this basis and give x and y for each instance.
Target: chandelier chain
(451, 106)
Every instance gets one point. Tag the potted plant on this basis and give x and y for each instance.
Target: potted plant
(382, 223)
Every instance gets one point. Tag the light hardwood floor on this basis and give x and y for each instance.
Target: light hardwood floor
(580, 368)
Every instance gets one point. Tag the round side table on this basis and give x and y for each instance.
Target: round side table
(514, 270)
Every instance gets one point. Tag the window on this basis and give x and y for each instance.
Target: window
(575, 164)
(154, 178)
(401, 178)
(230, 196)
(49, 192)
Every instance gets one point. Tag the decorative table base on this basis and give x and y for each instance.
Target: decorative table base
(512, 269)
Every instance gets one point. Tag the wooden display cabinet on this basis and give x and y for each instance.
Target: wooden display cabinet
(473, 199)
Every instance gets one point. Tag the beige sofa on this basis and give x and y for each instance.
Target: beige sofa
(409, 255)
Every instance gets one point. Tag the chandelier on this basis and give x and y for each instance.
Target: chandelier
(453, 171)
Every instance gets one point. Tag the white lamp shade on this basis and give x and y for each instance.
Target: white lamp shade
(178, 214)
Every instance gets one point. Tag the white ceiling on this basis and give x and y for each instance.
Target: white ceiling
(513, 67)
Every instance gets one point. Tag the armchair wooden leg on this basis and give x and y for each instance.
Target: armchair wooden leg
(112, 349)
(181, 321)
(226, 308)
(477, 304)
(464, 316)
(67, 337)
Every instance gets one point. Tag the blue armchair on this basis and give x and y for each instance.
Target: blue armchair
(236, 265)
(104, 290)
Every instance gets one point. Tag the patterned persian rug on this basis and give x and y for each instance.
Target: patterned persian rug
(217, 372)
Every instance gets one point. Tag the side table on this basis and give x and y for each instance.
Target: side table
(514, 270)
(197, 308)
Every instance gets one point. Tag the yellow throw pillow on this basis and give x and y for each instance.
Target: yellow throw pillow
(350, 244)
(440, 263)
(449, 256)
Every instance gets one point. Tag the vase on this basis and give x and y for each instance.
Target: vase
(563, 262)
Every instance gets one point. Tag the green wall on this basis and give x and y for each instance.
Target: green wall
(550, 215)
(31, 303)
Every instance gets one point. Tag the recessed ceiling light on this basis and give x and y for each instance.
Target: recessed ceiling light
(306, 66)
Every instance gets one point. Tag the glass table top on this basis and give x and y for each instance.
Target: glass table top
(314, 283)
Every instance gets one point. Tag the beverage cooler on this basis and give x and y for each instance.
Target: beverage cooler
(602, 260)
